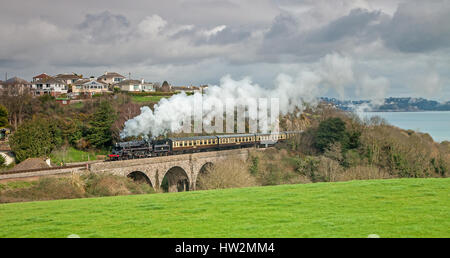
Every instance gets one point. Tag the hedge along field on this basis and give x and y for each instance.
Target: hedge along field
(388, 208)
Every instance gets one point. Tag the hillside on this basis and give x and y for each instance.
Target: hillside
(388, 208)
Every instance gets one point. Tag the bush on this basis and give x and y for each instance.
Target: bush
(3, 116)
(154, 93)
(35, 138)
(111, 185)
(330, 131)
(276, 166)
(231, 173)
(363, 173)
(50, 188)
(75, 186)
(2, 161)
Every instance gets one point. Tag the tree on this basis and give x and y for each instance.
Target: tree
(165, 87)
(100, 134)
(18, 102)
(35, 138)
(3, 116)
(330, 131)
(126, 112)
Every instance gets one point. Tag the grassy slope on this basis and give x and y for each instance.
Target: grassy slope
(389, 208)
(141, 99)
(74, 155)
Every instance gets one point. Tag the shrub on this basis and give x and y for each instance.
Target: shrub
(2, 161)
(330, 131)
(35, 138)
(363, 173)
(50, 188)
(111, 185)
(231, 173)
(75, 186)
(3, 116)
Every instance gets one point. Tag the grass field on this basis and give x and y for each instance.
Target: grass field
(388, 208)
(143, 99)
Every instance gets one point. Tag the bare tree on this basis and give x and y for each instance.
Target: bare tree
(126, 112)
(18, 100)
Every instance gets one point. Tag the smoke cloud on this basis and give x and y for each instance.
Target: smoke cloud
(333, 71)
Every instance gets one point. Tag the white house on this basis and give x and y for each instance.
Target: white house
(130, 85)
(148, 86)
(49, 86)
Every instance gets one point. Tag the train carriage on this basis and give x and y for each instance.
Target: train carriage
(269, 139)
(193, 144)
(236, 140)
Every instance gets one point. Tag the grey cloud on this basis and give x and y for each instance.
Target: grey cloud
(419, 26)
(356, 24)
(104, 26)
(285, 35)
(261, 37)
(226, 36)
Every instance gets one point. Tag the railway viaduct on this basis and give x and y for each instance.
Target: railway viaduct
(181, 171)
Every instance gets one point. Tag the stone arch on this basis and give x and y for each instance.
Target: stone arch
(140, 176)
(176, 179)
(202, 172)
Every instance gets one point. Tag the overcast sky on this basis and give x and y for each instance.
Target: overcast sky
(398, 48)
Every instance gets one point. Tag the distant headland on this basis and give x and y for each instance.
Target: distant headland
(392, 104)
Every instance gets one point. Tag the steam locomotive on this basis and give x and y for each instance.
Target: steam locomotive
(174, 146)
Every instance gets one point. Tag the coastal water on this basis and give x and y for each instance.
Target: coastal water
(435, 123)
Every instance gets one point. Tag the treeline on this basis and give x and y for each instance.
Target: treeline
(45, 125)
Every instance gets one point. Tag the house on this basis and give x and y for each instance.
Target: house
(51, 86)
(89, 87)
(148, 86)
(41, 77)
(190, 89)
(130, 85)
(68, 78)
(15, 85)
(111, 78)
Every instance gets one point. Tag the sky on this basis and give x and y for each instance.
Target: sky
(385, 47)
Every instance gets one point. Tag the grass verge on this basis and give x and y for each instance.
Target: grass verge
(388, 208)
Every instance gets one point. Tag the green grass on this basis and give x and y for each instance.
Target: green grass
(143, 99)
(73, 155)
(388, 208)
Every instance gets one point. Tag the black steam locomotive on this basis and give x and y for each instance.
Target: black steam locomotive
(174, 146)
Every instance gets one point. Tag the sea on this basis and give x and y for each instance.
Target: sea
(435, 123)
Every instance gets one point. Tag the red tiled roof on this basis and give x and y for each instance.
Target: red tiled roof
(42, 75)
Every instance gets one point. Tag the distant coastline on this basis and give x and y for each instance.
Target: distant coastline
(391, 105)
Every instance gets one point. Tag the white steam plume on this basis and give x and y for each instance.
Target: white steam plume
(333, 71)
